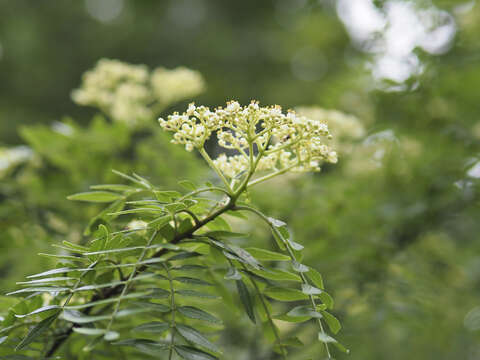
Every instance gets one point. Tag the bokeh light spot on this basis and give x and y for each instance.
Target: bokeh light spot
(104, 10)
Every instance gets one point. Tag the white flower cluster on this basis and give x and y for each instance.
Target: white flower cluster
(264, 137)
(171, 86)
(127, 92)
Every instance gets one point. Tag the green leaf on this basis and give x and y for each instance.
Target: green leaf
(108, 300)
(233, 274)
(300, 314)
(49, 289)
(107, 335)
(143, 181)
(189, 267)
(157, 293)
(102, 238)
(219, 224)
(284, 232)
(153, 306)
(45, 280)
(294, 245)
(310, 290)
(133, 248)
(277, 274)
(196, 337)
(285, 294)
(128, 177)
(37, 330)
(184, 255)
(61, 270)
(267, 255)
(326, 299)
(277, 226)
(269, 331)
(332, 322)
(245, 256)
(104, 216)
(304, 311)
(260, 304)
(159, 222)
(74, 247)
(64, 257)
(237, 214)
(275, 222)
(316, 278)
(196, 313)
(96, 196)
(293, 341)
(187, 184)
(190, 353)
(138, 210)
(152, 327)
(291, 319)
(278, 239)
(328, 339)
(223, 234)
(39, 310)
(166, 196)
(246, 299)
(193, 293)
(79, 318)
(175, 207)
(190, 280)
(114, 283)
(146, 346)
(299, 267)
(113, 187)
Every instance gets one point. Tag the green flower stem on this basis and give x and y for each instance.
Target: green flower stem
(274, 150)
(264, 131)
(241, 151)
(272, 175)
(292, 256)
(253, 167)
(210, 162)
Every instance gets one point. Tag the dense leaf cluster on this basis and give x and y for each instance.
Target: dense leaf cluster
(152, 276)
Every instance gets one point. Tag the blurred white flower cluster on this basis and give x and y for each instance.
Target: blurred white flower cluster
(344, 128)
(171, 86)
(11, 157)
(376, 151)
(264, 138)
(131, 94)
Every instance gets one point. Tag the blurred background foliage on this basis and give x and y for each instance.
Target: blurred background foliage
(393, 226)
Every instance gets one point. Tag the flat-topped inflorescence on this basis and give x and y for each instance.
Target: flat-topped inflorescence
(264, 138)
